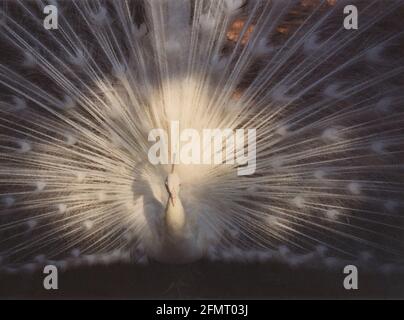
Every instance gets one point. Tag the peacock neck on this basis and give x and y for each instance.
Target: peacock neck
(175, 219)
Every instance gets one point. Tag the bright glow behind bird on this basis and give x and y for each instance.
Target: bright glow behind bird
(78, 104)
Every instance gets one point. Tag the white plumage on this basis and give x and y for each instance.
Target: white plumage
(78, 103)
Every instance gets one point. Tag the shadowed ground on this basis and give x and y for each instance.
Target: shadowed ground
(199, 281)
(204, 280)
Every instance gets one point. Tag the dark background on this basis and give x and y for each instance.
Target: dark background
(203, 280)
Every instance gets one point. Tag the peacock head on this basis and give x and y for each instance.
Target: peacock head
(173, 184)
